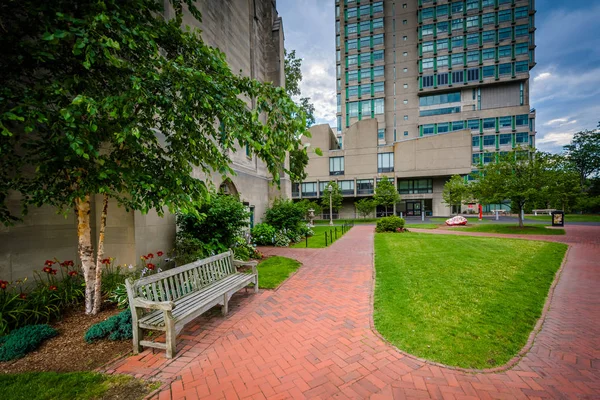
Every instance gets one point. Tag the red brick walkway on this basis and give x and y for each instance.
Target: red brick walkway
(312, 339)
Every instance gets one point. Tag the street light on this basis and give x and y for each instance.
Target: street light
(330, 188)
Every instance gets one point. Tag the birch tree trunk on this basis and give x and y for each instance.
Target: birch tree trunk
(86, 251)
(100, 257)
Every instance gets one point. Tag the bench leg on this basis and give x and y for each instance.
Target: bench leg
(256, 283)
(137, 335)
(225, 308)
(171, 336)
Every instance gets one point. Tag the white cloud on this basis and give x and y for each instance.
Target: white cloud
(560, 122)
(543, 75)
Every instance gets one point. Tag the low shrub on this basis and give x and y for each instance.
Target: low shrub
(24, 340)
(117, 327)
(281, 240)
(263, 234)
(284, 214)
(390, 224)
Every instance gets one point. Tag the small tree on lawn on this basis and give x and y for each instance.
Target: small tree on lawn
(111, 98)
(386, 194)
(365, 207)
(519, 176)
(456, 191)
(584, 153)
(336, 197)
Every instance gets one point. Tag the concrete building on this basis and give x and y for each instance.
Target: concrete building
(445, 85)
(250, 33)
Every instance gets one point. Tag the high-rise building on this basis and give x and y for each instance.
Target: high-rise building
(451, 76)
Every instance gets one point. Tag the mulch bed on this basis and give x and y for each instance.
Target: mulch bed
(68, 352)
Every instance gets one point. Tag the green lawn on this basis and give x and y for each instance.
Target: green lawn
(317, 241)
(512, 229)
(275, 270)
(345, 221)
(463, 301)
(421, 226)
(568, 218)
(73, 386)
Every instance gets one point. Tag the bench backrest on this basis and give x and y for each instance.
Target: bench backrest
(177, 282)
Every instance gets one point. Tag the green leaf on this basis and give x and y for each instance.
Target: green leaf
(318, 151)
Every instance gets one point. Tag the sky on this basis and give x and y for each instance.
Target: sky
(565, 83)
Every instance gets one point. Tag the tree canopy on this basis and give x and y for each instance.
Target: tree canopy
(336, 197)
(584, 153)
(386, 194)
(456, 191)
(113, 98)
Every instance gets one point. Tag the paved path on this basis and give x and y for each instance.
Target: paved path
(312, 338)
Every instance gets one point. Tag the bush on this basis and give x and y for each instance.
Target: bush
(306, 205)
(263, 234)
(281, 240)
(284, 214)
(390, 224)
(117, 327)
(223, 218)
(24, 340)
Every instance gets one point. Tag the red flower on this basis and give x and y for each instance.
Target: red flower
(105, 261)
(47, 270)
(150, 266)
(23, 296)
(52, 287)
(49, 262)
(150, 255)
(73, 273)
(68, 263)
(159, 253)
(53, 271)
(3, 284)
(144, 257)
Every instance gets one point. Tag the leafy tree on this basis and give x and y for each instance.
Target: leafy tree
(365, 207)
(284, 214)
(336, 197)
(456, 191)
(386, 194)
(562, 189)
(518, 176)
(306, 205)
(584, 153)
(111, 98)
(298, 163)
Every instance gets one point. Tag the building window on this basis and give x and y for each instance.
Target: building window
(365, 42)
(427, 63)
(439, 111)
(488, 158)
(521, 12)
(457, 8)
(427, 13)
(473, 56)
(385, 162)
(522, 138)
(457, 24)
(406, 117)
(504, 16)
(505, 69)
(472, 4)
(426, 30)
(309, 189)
(473, 39)
(442, 27)
(505, 122)
(428, 129)
(489, 123)
(505, 139)
(381, 134)
(351, 44)
(488, 71)
(473, 74)
(442, 10)
(522, 66)
(378, 71)
(476, 158)
(521, 30)
(415, 186)
(504, 51)
(521, 48)
(336, 165)
(442, 44)
(458, 125)
(475, 141)
(452, 97)
(352, 91)
(346, 187)
(473, 124)
(427, 81)
(377, 55)
(404, 38)
(472, 21)
(504, 34)
(351, 29)
(521, 120)
(443, 127)
(427, 47)
(457, 77)
(405, 133)
(353, 109)
(488, 19)
(379, 106)
(458, 59)
(405, 86)
(489, 140)
(378, 7)
(442, 61)
(366, 108)
(352, 76)
(364, 186)
(378, 39)
(488, 36)
(488, 54)
(405, 70)
(378, 87)
(377, 23)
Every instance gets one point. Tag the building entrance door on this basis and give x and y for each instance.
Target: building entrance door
(413, 208)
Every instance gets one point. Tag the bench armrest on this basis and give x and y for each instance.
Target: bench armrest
(240, 263)
(154, 305)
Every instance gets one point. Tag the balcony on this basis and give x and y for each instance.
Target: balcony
(365, 192)
(347, 192)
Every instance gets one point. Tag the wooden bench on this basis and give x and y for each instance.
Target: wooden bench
(168, 300)
(547, 211)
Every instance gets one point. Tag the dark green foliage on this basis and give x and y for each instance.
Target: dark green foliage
(386, 194)
(24, 340)
(117, 327)
(336, 197)
(365, 207)
(263, 234)
(390, 224)
(284, 214)
(306, 205)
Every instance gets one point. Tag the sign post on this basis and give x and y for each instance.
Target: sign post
(480, 212)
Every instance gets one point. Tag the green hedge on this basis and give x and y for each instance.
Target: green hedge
(24, 340)
(390, 224)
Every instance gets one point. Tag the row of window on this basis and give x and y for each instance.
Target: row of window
(504, 139)
(474, 57)
(439, 111)
(365, 108)
(494, 35)
(362, 11)
(360, 28)
(473, 74)
(479, 125)
(385, 163)
(364, 58)
(364, 42)
(366, 186)
(507, 15)
(464, 42)
(369, 89)
(436, 99)
(364, 73)
(489, 157)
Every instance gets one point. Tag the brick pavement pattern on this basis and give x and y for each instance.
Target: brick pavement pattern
(312, 338)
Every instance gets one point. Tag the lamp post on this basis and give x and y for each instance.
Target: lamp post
(330, 205)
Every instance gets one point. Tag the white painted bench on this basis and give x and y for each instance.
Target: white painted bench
(547, 211)
(168, 300)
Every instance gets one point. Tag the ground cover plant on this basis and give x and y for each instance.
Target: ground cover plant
(463, 301)
(274, 270)
(317, 240)
(511, 229)
(72, 385)
(23, 340)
